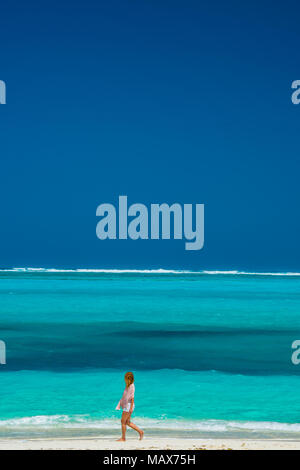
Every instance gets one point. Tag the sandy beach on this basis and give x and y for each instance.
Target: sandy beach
(150, 443)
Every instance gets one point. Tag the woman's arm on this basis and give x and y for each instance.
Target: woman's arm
(131, 406)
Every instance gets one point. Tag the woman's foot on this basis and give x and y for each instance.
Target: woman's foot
(141, 435)
(121, 439)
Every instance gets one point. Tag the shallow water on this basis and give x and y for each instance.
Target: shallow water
(211, 352)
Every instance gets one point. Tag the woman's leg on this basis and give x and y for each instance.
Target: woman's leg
(124, 420)
(133, 426)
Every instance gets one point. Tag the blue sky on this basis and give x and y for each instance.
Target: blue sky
(164, 101)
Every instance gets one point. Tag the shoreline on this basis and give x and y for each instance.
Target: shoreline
(148, 443)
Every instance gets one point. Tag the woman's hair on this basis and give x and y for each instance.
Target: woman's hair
(129, 378)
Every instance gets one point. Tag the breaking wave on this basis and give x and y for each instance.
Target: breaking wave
(85, 423)
(147, 271)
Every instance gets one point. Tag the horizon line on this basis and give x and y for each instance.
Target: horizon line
(146, 271)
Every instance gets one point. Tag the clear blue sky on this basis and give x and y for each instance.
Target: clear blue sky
(164, 101)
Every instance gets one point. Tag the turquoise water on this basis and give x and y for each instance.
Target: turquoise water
(211, 353)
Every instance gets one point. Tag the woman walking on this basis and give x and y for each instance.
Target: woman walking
(127, 405)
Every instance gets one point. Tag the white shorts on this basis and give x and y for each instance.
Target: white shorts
(127, 407)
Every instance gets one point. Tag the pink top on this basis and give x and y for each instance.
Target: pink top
(127, 397)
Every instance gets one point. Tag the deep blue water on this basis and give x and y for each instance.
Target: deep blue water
(211, 353)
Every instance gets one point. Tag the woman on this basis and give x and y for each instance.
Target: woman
(127, 405)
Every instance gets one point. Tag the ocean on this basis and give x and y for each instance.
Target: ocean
(211, 352)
